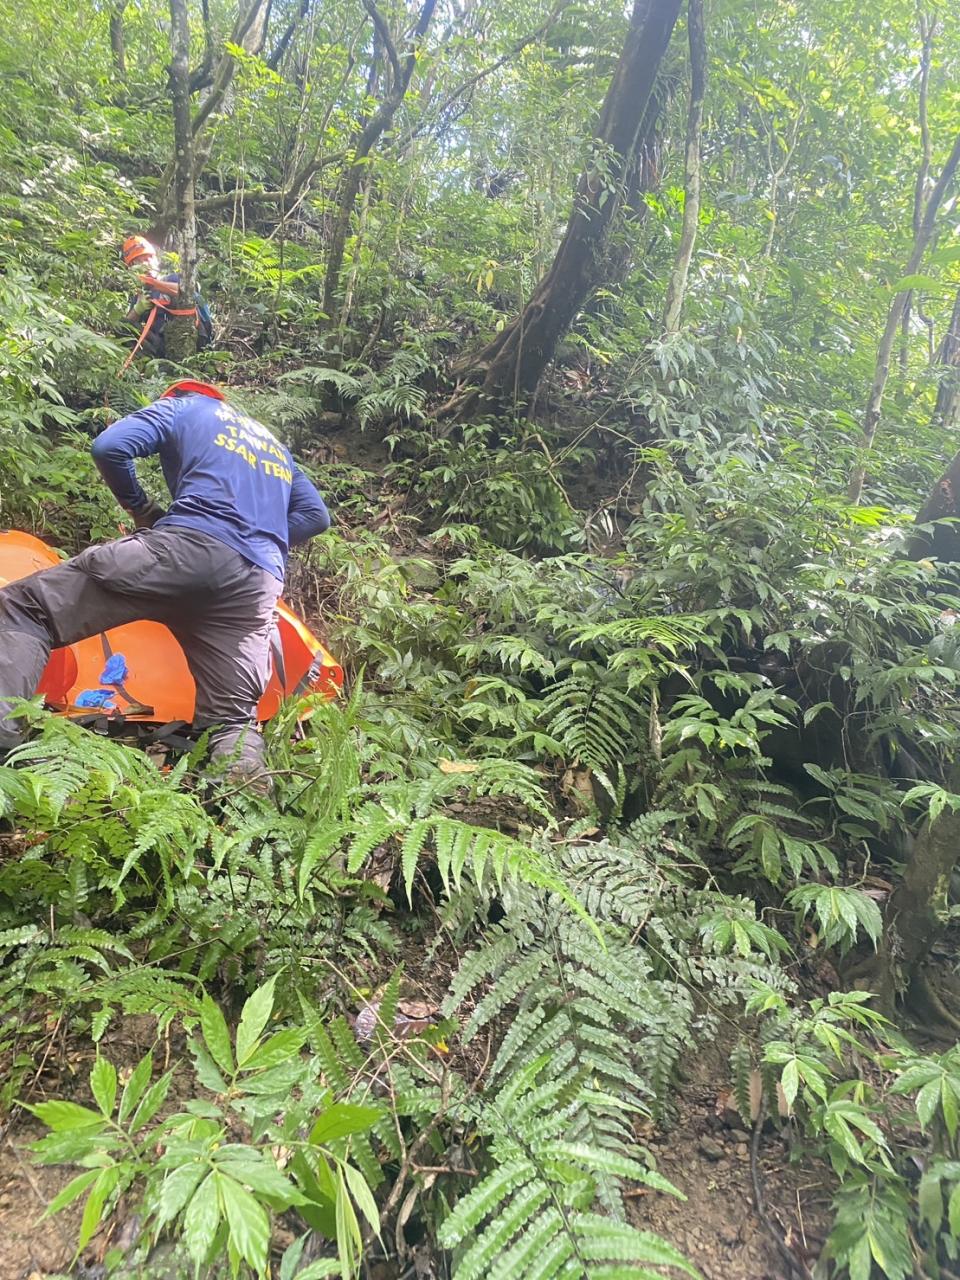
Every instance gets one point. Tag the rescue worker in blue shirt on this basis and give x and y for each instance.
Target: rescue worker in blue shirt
(210, 567)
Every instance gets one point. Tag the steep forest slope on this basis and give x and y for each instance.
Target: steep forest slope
(624, 342)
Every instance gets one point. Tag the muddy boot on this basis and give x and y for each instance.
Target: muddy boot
(240, 752)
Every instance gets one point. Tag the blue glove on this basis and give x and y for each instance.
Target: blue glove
(115, 671)
(95, 698)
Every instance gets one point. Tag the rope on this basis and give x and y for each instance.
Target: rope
(172, 289)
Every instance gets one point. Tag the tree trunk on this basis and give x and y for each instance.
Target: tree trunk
(180, 334)
(947, 411)
(643, 177)
(371, 133)
(871, 417)
(927, 33)
(509, 368)
(943, 502)
(249, 31)
(677, 285)
(117, 43)
(915, 920)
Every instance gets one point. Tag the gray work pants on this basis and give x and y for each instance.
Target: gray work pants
(220, 608)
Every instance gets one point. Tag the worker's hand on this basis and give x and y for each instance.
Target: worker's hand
(148, 516)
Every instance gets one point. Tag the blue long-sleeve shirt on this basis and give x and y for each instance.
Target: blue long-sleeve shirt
(228, 476)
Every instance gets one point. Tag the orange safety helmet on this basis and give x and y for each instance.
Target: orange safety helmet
(188, 387)
(135, 248)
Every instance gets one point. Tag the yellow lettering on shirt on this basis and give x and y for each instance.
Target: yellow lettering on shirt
(252, 444)
(274, 469)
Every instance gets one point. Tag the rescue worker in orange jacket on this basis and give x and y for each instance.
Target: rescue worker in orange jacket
(159, 296)
(210, 566)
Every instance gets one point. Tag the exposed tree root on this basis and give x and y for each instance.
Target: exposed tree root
(930, 1010)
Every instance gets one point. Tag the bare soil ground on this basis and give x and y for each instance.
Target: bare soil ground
(706, 1155)
(703, 1153)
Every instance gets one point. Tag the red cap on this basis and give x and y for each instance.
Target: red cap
(188, 387)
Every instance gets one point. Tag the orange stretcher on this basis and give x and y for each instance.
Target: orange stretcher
(157, 687)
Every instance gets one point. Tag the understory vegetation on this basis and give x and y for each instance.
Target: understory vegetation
(648, 742)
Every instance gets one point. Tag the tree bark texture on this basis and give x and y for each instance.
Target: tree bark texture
(117, 42)
(399, 77)
(947, 411)
(916, 912)
(180, 334)
(871, 417)
(927, 33)
(506, 372)
(249, 31)
(623, 240)
(677, 284)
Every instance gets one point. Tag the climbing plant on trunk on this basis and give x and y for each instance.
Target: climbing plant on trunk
(677, 284)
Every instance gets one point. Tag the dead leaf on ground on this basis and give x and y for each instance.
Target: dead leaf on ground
(457, 766)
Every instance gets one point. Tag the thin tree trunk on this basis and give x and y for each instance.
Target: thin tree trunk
(946, 414)
(509, 368)
(677, 284)
(927, 31)
(943, 501)
(871, 417)
(371, 133)
(249, 31)
(279, 51)
(117, 42)
(180, 334)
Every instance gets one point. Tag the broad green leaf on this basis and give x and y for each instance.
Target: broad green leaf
(362, 1196)
(859, 1261)
(291, 1258)
(101, 1190)
(152, 1101)
(103, 1085)
(74, 1188)
(177, 1188)
(259, 1173)
(790, 1082)
(948, 1104)
(133, 1089)
(201, 1219)
(916, 282)
(930, 1200)
(349, 1239)
(927, 1100)
(253, 1020)
(277, 1049)
(63, 1116)
(208, 1073)
(216, 1036)
(249, 1224)
(341, 1119)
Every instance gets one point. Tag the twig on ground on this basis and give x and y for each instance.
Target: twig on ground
(795, 1265)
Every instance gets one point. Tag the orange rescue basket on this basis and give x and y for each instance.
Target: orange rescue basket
(158, 687)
